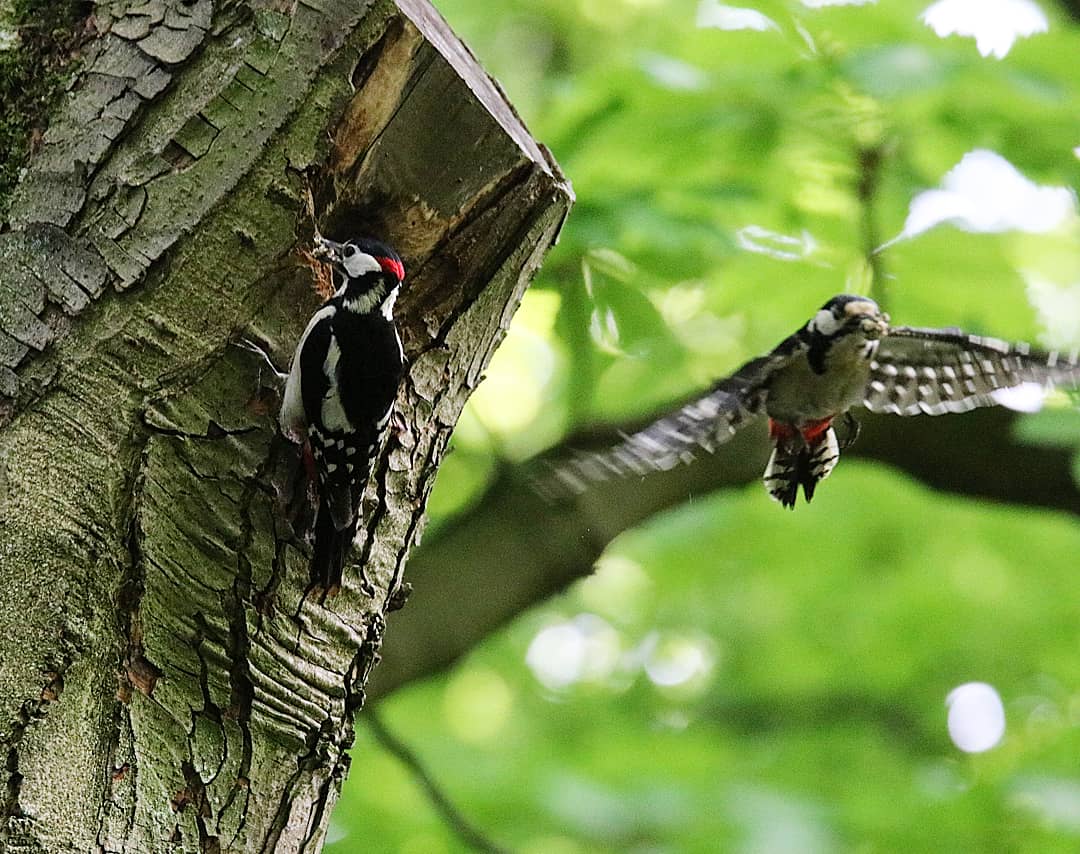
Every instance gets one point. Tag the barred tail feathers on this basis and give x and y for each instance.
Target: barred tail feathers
(799, 459)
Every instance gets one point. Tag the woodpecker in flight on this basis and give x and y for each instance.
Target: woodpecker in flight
(341, 389)
(846, 355)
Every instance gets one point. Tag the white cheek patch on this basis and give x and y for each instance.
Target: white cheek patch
(359, 263)
(825, 323)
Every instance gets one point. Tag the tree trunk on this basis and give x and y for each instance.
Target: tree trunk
(166, 681)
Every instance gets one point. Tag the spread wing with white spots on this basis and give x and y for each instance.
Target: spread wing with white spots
(701, 425)
(934, 371)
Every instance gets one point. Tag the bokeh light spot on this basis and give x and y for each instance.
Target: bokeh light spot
(976, 717)
(676, 660)
(723, 17)
(583, 649)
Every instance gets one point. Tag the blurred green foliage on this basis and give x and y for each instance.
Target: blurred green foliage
(735, 678)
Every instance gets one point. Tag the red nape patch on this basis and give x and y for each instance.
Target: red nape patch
(393, 266)
(814, 430)
(780, 430)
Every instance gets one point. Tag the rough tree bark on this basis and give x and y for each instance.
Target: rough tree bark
(165, 683)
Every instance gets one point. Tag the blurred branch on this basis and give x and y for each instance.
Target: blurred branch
(439, 799)
(512, 551)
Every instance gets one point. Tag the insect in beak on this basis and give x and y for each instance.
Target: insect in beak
(328, 249)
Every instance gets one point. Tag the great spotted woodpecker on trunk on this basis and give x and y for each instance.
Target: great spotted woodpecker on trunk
(847, 354)
(341, 388)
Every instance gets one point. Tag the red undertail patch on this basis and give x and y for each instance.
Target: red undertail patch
(813, 431)
(780, 430)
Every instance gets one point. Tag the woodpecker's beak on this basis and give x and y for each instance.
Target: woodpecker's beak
(876, 326)
(871, 320)
(328, 249)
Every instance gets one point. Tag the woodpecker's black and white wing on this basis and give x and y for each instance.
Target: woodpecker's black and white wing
(701, 425)
(313, 411)
(935, 371)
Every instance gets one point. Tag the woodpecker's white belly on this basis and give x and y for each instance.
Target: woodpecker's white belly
(797, 394)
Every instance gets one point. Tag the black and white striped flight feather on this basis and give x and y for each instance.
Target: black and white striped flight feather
(935, 371)
(701, 425)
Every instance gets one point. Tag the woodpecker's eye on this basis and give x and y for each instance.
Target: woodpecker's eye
(350, 250)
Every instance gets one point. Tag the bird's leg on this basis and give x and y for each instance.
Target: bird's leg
(303, 497)
(260, 350)
(851, 430)
(360, 546)
(398, 424)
